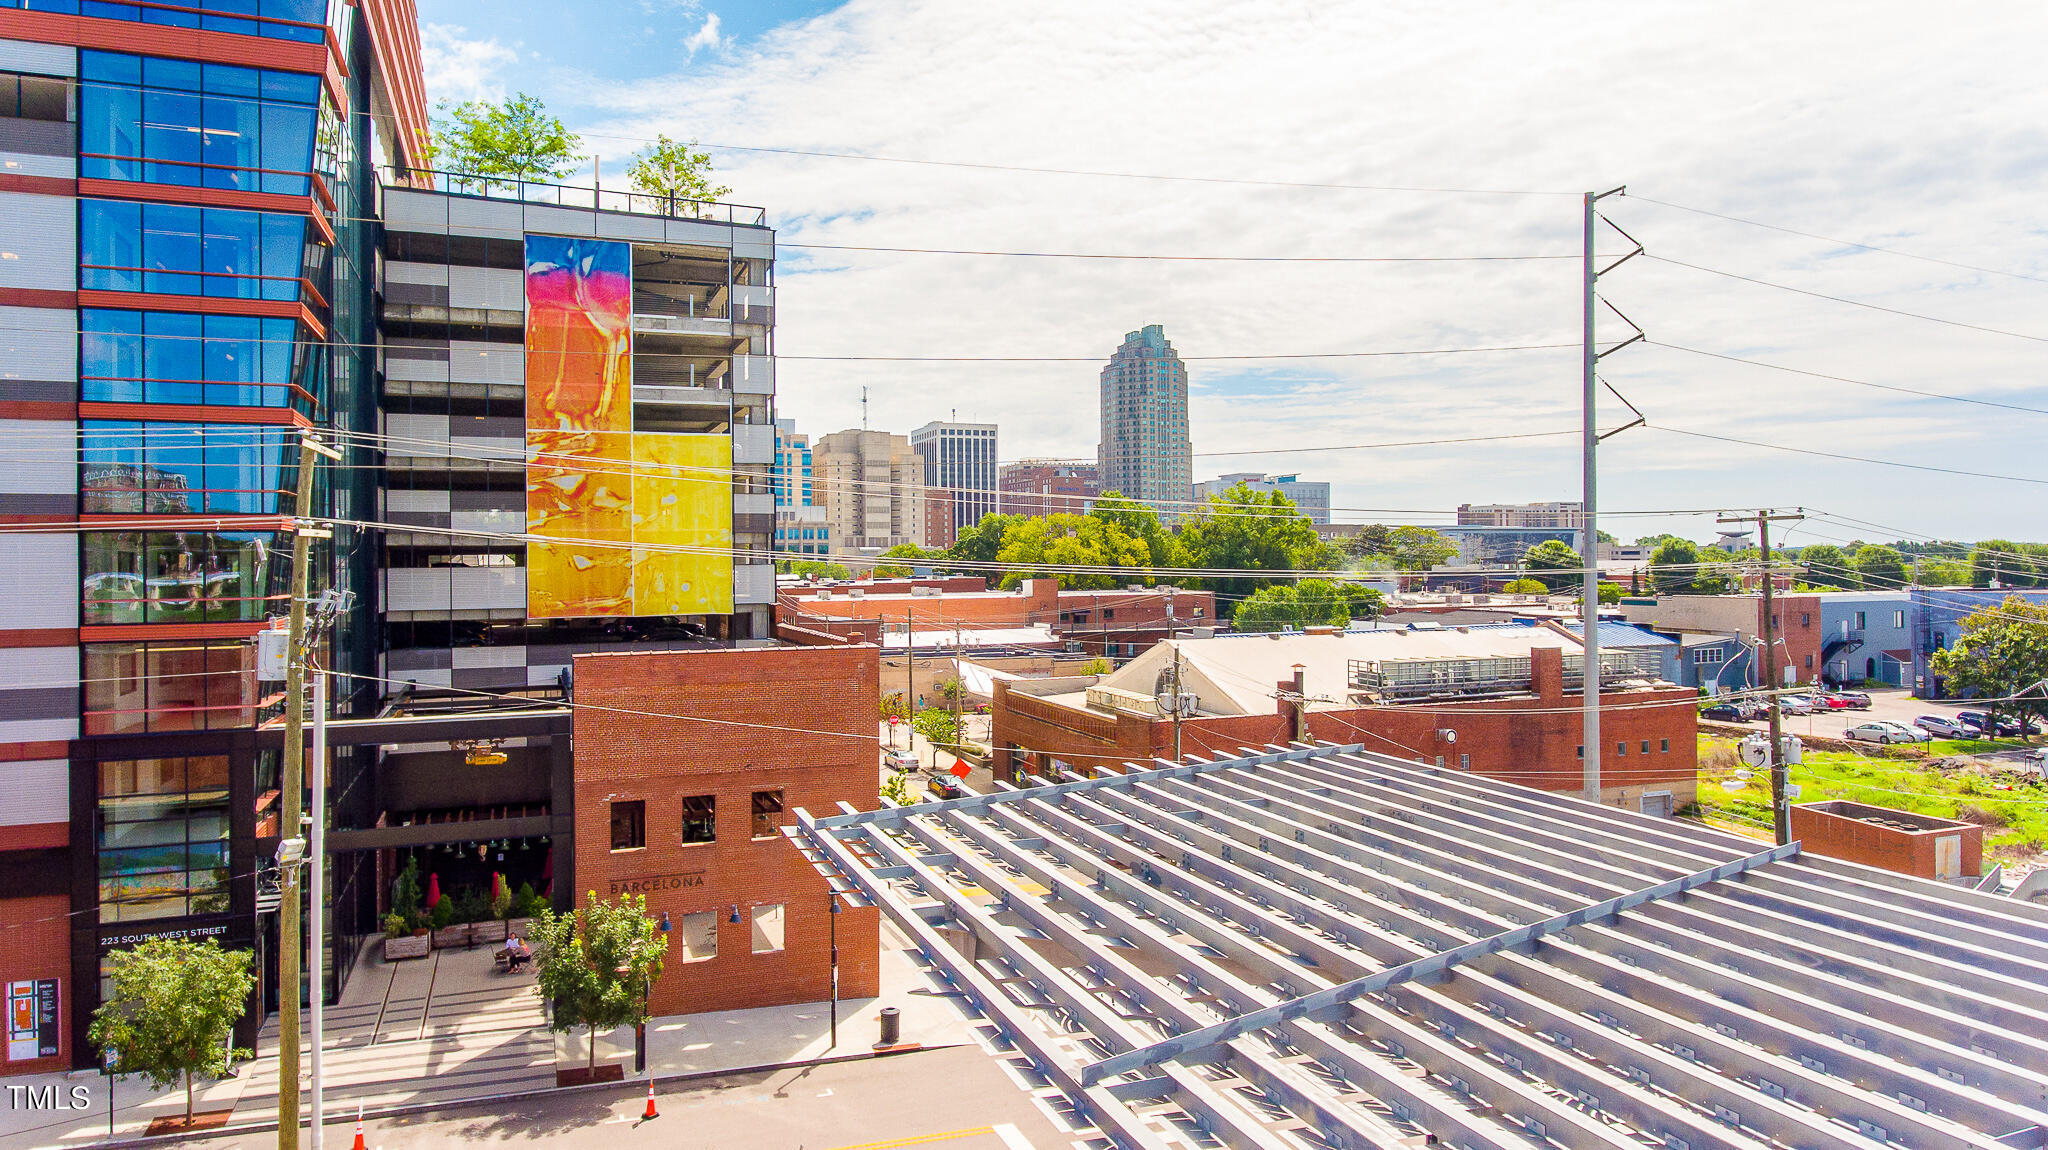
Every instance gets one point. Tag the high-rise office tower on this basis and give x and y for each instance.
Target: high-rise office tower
(1144, 452)
(800, 524)
(961, 458)
(873, 490)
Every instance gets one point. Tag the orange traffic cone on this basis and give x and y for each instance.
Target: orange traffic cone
(652, 1113)
(359, 1129)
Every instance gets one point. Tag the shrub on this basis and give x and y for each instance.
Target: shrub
(1526, 587)
(396, 925)
(896, 788)
(501, 903)
(443, 914)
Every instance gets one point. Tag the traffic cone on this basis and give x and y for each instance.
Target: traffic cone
(652, 1113)
(359, 1129)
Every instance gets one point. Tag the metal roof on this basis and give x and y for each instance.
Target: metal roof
(1325, 947)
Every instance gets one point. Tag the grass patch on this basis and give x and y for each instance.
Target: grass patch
(2013, 808)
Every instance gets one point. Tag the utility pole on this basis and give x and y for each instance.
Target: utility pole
(1177, 708)
(1781, 813)
(291, 942)
(1589, 451)
(316, 897)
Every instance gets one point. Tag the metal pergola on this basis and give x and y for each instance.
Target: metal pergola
(1324, 947)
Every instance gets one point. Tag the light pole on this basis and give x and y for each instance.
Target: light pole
(832, 899)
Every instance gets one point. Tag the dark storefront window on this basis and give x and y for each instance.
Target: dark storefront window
(163, 838)
(187, 468)
(199, 125)
(277, 19)
(767, 813)
(178, 249)
(629, 825)
(170, 685)
(218, 360)
(700, 818)
(182, 577)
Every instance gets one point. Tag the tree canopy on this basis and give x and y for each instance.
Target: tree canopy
(1676, 569)
(173, 1005)
(1247, 530)
(1555, 563)
(1879, 568)
(1824, 565)
(596, 964)
(1140, 521)
(1525, 586)
(1419, 548)
(506, 142)
(920, 557)
(1309, 603)
(2003, 562)
(674, 171)
(2002, 652)
(1036, 545)
(982, 542)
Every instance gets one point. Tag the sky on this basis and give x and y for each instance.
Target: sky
(1435, 133)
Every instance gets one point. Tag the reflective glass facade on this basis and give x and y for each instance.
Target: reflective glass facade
(178, 249)
(277, 19)
(170, 685)
(182, 577)
(200, 125)
(217, 360)
(187, 468)
(163, 838)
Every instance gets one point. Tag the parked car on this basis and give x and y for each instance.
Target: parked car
(1796, 704)
(1880, 732)
(1858, 701)
(944, 786)
(2008, 727)
(900, 761)
(1725, 712)
(1832, 701)
(1943, 726)
(1913, 734)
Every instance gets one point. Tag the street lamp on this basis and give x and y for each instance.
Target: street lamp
(832, 899)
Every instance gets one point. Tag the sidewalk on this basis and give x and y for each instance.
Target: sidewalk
(449, 1028)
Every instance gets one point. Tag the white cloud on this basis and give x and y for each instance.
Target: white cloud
(1888, 127)
(706, 36)
(460, 67)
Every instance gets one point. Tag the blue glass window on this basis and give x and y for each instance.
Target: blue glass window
(178, 249)
(197, 125)
(275, 19)
(219, 360)
(186, 468)
(181, 577)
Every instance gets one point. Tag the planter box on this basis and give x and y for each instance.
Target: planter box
(583, 1075)
(447, 936)
(492, 931)
(406, 946)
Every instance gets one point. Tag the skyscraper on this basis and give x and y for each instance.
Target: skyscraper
(960, 457)
(1144, 451)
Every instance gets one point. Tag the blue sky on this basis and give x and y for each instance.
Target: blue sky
(1880, 127)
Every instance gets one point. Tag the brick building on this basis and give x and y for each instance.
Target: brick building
(1508, 692)
(1049, 487)
(1120, 624)
(1902, 841)
(1801, 633)
(688, 812)
(1115, 623)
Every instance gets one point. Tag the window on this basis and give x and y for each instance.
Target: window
(221, 360)
(1859, 621)
(767, 813)
(186, 468)
(1620, 750)
(1707, 656)
(168, 121)
(1898, 618)
(700, 818)
(629, 825)
(46, 98)
(301, 20)
(699, 936)
(1666, 746)
(184, 577)
(1646, 746)
(1809, 662)
(1464, 762)
(163, 837)
(172, 685)
(183, 250)
(767, 928)
(1805, 619)
(1580, 750)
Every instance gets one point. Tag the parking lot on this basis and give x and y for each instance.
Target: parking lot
(1892, 704)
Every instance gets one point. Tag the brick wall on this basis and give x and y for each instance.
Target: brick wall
(35, 942)
(1037, 601)
(815, 742)
(1844, 830)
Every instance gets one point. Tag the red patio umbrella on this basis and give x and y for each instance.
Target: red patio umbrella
(433, 890)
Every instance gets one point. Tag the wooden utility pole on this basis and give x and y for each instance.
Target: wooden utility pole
(1781, 812)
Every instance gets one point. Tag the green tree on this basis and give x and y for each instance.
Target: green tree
(1655, 541)
(1824, 565)
(1071, 541)
(1309, 603)
(892, 707)
(673, 171)
(1555, 563)
(920, 557)
(1879, 568)
(2002, 652)
(507, 142)
(1360, 601)
(2000, 561)
(1676, 569)
(597, 964)
(1611, 592)
(1373, 540)
(982, 542)
(1944, 571)
(1247, 530)
(173, 1005)
(1419, 548)
(1525, 586)
(1140, 521)
(937, 725)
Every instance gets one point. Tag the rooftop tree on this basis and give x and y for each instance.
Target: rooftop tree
(674, 171)
(505, 143)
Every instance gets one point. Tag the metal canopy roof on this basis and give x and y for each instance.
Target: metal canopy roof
(1319, 946)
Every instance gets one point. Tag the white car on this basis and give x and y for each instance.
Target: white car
(1944, 725)
(1883, 732)
(1796, 704)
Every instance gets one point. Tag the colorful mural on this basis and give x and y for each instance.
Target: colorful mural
(631, 509)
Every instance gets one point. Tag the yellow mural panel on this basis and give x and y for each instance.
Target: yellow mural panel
(682, 524)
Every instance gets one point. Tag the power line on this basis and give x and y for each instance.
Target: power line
(1846, 300)
(1846, 379)
(1839, 242)
(1846, 458)
(1171, 258)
